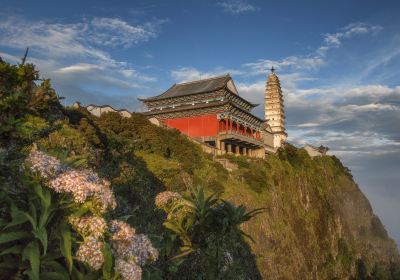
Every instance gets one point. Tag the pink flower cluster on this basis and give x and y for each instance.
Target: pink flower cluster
(90, 252)
(130, 249)
(165, 198)
(82, 184)
(89, 225)
(121, 231)
(47, 166)
(129, 270)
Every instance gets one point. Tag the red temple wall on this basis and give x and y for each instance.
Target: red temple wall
(195, 126)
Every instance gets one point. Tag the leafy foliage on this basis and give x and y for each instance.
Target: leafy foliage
(203, 225)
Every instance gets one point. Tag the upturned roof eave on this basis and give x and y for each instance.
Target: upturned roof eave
(241, 98)
(160, 96)
(188, 108)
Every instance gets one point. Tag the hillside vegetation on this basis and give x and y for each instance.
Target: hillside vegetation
(310, 220)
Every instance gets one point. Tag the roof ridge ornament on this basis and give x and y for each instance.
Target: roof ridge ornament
(272, 69)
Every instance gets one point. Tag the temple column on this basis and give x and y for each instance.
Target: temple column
(237, 150)
(244, 151)
(229, 146)
(217, 144)
(226, 124)
(250, 152)
(230, 123)
(222, 145)
(237, 127)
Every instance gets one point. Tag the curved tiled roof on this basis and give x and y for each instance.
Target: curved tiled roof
(199, 86)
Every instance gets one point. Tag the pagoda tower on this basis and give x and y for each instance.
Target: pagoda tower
(274, 109)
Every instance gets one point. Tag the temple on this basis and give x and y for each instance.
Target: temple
(212, 112)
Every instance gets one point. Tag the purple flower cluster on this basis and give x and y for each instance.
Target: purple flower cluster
(47, 166)
(129, 270)
(82, 184)
(90, 252)
(130, 249)
(89, 225)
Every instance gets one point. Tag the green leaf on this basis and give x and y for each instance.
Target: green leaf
(46, 208)
(108, 262)
(11, 236)
(3, 222)
(41, 234)
(12, 250)
(76, 274)
(59, 272)
(65, 244)
(31, 216)
(17, 217)
(52, 276)
(32, 254)
(37, 188)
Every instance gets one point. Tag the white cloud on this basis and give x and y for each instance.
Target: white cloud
(78, 68)
(75, 54)
(237, 7)
(186, 74)
(75, 40)
(307, 125)
(315, 59)
(370, 107)
(115, 32)
(334, 40)
(80, 38)
(293, 63)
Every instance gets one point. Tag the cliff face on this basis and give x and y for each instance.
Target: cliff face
(317, 223)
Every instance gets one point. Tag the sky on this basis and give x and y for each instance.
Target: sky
(338, 62)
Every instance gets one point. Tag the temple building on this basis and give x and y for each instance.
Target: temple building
(212, 112)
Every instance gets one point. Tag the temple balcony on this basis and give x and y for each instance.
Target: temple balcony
(240, 138)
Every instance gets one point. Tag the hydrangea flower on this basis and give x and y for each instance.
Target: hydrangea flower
(90, 252)
(142, 249)
(83, 184)
(126, 244)
(89, 225)
(121, 231)
(47, 166)
(129, 270)
(131, 250)
(165, 198)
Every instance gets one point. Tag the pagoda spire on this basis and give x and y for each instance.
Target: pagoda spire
(274, 108)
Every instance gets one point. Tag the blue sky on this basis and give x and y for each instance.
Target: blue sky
(339, 64)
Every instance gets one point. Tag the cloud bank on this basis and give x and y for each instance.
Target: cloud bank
(77, 54)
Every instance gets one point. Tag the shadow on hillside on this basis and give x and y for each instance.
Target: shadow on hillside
(136, 187)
